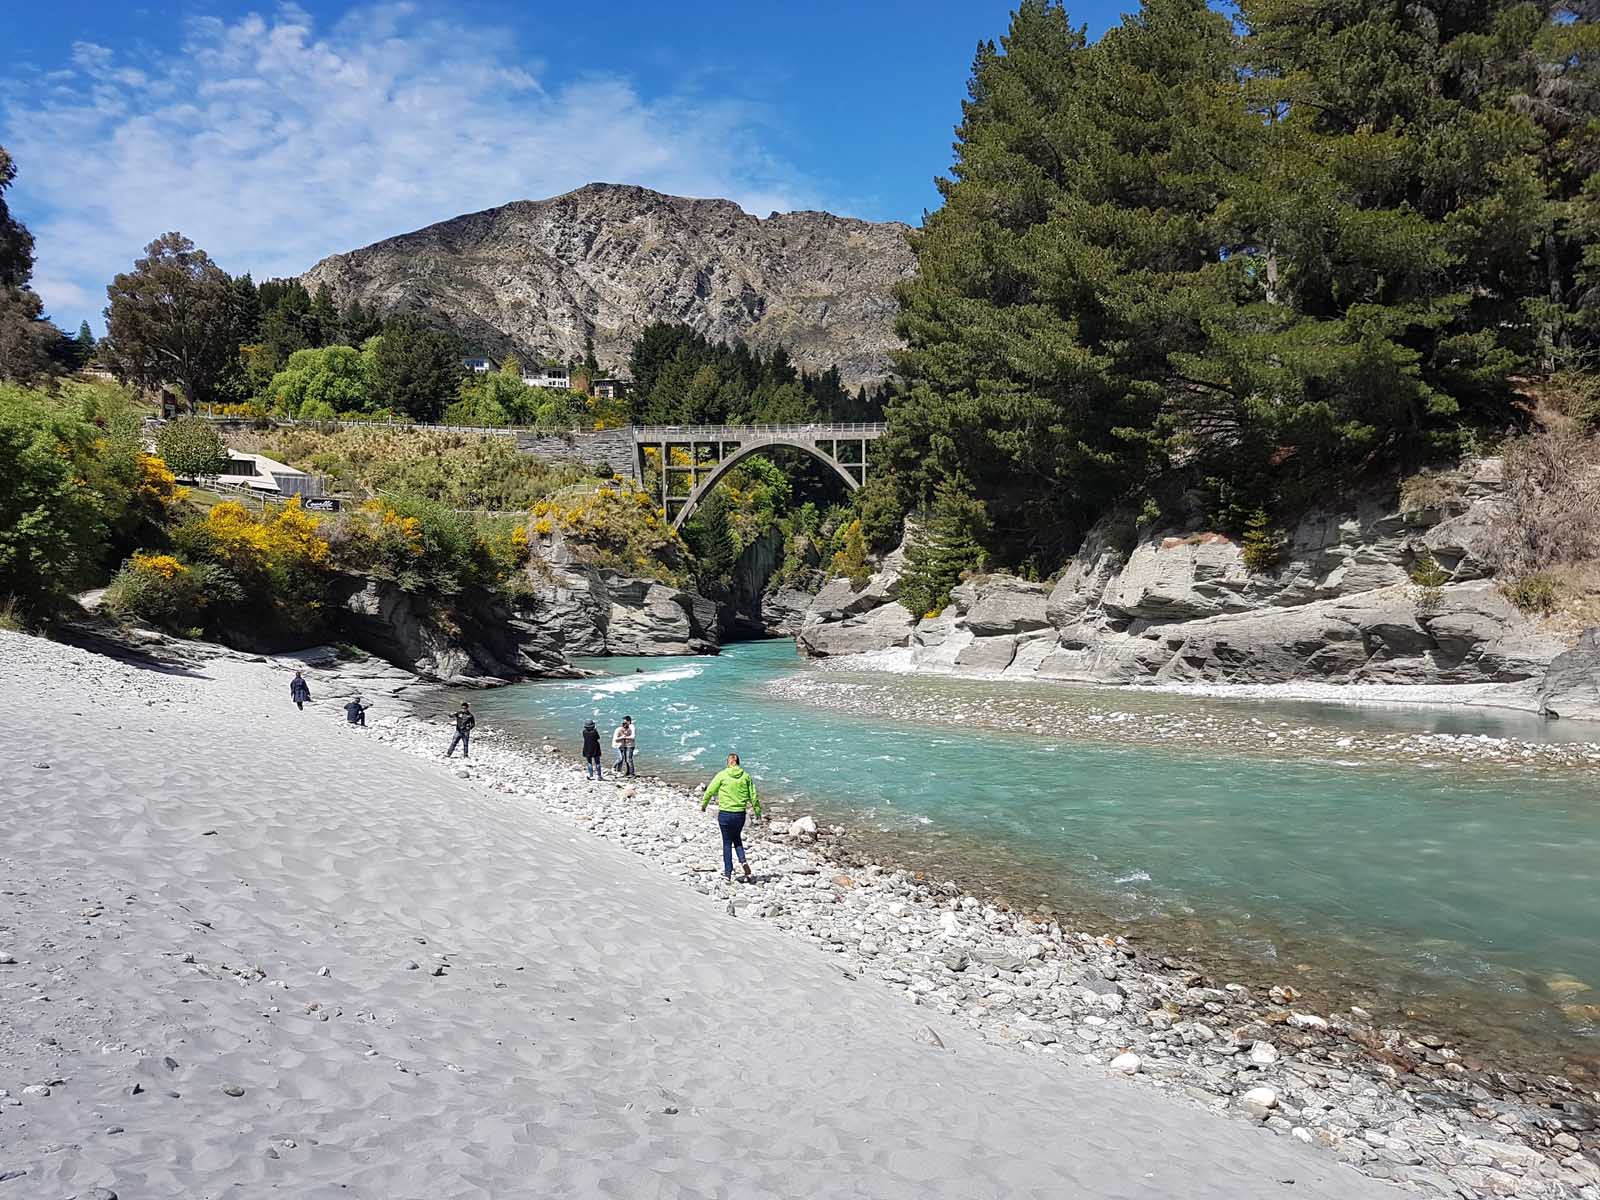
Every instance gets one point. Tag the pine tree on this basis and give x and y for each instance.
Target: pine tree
(1260, 547)
(945, 549)
(83, 345)
(709, 533)
(1256, 257)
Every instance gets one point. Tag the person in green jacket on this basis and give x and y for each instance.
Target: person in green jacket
(736, 795)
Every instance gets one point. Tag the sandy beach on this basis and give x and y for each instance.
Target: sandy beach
(244, 948)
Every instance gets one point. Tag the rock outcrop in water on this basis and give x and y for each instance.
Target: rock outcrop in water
(1179, 605)
(538, 277)
(471, 641)
(593, 610)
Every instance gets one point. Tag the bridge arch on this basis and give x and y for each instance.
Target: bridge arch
(703, 488)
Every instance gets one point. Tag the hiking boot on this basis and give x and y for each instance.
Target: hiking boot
(747, 873)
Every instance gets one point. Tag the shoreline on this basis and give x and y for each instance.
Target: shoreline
(898, 660)
(1194, 1023)
(1392, 1106)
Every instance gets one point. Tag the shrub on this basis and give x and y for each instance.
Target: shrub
(1429, 578)
(1551, 511)
(1537, 593)
(191, 448)
(273, 567)
(158, 589)
(615, 525)
(63, 486)
(1427, 491)
(1261, 547)
(850, 559)
(459, 470)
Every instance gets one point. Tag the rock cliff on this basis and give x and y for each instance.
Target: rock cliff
(537, 277)
(1181, 606)
(590, 610)
(471, 641)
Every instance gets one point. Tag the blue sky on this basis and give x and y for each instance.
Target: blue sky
(274, 134)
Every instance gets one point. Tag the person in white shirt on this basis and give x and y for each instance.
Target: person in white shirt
(622, 741)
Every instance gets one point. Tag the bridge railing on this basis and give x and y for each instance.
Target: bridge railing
(733, 433)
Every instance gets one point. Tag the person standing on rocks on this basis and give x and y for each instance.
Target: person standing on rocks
(591, 751)
(463, 738)
(299, 690)
(622, 741)
(356, 712)
(736, 796)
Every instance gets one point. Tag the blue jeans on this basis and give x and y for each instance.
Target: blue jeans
(591, 769)
(462, 739)
(624, 761)
(732, 826)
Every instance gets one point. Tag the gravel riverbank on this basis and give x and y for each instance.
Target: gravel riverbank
(199, 873)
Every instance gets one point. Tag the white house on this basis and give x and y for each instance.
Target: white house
(558, 378)
(262, 474)
(478, 366)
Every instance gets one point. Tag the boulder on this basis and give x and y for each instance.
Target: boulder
(995, 605)
(875, 629)
(1571, 685)
(647, 617)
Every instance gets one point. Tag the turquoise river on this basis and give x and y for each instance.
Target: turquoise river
(1441, 865)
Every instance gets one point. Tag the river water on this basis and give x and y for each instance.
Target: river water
(1441, 866)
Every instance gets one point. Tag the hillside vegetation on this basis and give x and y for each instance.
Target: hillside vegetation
(1221, 266)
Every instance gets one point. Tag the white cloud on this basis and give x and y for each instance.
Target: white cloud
(272, 142)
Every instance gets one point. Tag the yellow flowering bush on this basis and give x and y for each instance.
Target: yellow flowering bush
(614, 525)
(158, 589)
(270, 566)
(157, 487)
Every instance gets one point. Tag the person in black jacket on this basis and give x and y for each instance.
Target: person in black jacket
(299, 690)
(591, 751)
(356, 712)
(464, 723)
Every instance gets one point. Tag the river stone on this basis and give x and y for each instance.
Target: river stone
(1263, 1054)
(1308, 1021)
(1259, 1101)
(1127, 1063)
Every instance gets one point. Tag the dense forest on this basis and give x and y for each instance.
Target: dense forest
(679, 378)
(1238, 260)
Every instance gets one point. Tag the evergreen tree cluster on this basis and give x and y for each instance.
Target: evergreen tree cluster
(681, 378)
(31, 346)
(1244, 257)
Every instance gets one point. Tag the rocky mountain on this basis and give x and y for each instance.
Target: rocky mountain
(537, 277)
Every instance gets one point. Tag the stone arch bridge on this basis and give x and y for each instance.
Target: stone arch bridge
(694, 458)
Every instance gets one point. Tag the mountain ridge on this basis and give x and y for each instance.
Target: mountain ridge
(536, 277)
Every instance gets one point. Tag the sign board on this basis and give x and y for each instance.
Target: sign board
(320, 504)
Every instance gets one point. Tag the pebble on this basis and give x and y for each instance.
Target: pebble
(36, 1089)
(7, 960)
(232, 1089)
(1263, 1054)
(1127, 1063)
